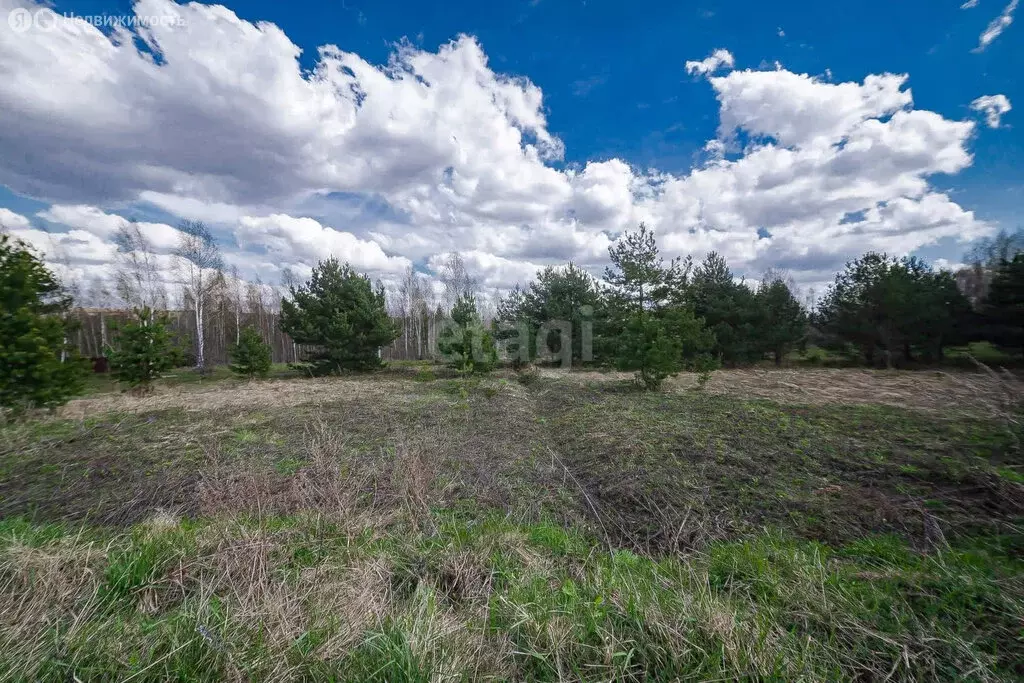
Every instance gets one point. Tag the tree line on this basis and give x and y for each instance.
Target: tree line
(649, 315)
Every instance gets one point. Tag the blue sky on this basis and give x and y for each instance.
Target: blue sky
(612, 72)
(614, 88)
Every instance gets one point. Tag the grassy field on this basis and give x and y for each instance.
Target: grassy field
(816, 524)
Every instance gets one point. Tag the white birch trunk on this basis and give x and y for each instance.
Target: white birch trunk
(199, 333)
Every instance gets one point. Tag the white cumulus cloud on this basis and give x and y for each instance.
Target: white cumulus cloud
(12, 221)
(712, 63)
(435, 152)
(304, 240)
(993, 107)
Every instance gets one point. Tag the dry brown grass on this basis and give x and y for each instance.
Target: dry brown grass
(1006, 405)
(267, 395)
(451, 605)
(490, 530)
(979, 393)
(364, 490)
(975, 393)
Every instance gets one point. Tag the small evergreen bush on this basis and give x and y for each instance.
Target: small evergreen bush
(39, 367)
(467, 345)
(143, 350)
(250, 357)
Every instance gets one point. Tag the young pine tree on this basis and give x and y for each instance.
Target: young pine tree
(342, 315)
(563, 294)
(467, 345)
(782, 322)
(144, 350)
(38, 366)
(649, 329)
(884, 307)
(1005, 303)
(250, 357)
(729, 310)
(658, 346)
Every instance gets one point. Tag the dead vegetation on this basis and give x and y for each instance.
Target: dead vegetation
(937, 392)
(656, 472)
(977, 393)
(267, 395)
(298, 598)
(569, 529)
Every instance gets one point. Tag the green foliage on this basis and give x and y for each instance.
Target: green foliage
(782, 321)
(661, 346)
(39, 367)
(502, 599)
(729, 309)
(464, 342)
(250, 357)
(342, 315)
(425, 375)
(886, 307)
(639, 278)
(142, 351)
(514, 327)
(649, 329)
(703, 364)
(562, 300)
(1004, 305)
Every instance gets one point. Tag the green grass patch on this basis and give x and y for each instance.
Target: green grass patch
(481, 529)
(294, 598)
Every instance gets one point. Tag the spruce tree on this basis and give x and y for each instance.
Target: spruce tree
(39, 368)
(143, 349)
(250, 357)
(782, 322)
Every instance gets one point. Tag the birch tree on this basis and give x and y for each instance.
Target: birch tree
(198, 263)
(457, 281)
(415, 301)
(236, 292)
(137, 275)
(99, 296)
(288, 282)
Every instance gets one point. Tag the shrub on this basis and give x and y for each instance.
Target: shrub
(250, 357)
(660, 347)
(704, 364)
(38, 366)
(144, 350)
(425, 375)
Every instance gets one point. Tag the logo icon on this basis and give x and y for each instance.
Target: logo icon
(19, 19)
(46, 19)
